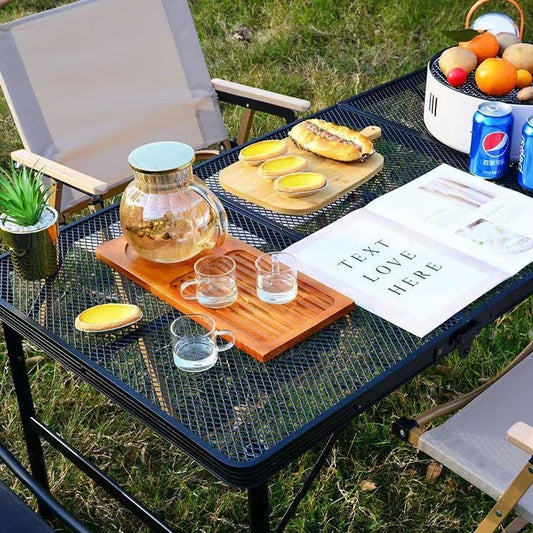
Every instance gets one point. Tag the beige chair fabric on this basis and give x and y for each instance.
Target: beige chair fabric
(472, 443)
(88, 82)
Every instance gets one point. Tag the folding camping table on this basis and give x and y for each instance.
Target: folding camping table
(242, 420)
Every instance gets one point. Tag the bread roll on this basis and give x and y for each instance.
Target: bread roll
(331, 140)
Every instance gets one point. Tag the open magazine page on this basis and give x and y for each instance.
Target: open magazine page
(468, 213)
(406, 278)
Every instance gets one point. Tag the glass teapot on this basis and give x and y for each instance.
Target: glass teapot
(167, 215)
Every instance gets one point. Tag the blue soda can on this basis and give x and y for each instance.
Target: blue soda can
(525, 163)
(490, 150)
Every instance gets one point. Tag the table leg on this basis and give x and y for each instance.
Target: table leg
(258, 509)
(308, 482)
(21, 382)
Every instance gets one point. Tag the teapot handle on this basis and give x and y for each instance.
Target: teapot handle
(217, 210)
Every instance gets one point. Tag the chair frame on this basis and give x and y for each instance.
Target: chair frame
(49, 506)
(520, 434)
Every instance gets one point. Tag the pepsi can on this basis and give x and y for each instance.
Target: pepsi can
(525, 163)
(490, 149)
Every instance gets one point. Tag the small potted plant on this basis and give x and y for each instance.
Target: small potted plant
(28, 224)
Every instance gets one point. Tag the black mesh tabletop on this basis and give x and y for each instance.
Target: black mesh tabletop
(241, 419)
(401, 101)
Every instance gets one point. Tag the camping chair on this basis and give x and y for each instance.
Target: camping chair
(90, 81)
(16, 516)
(472, 442)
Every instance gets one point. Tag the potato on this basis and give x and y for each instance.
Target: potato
(525, 94)
(520, 55)
(506, 39)
(457, 57)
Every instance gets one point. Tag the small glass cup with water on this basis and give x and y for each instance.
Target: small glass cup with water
(215, 282)
(277, 277)
(195, 343)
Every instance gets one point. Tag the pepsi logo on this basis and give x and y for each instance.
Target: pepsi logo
(495, 144)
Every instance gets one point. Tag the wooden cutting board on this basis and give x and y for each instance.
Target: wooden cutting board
(241, 179)
(261, 330)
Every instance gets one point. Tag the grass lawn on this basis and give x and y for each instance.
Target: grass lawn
(324, 51)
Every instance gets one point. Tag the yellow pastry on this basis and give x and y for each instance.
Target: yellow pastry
(279, 166)
(300, 182)
(261, 151)
(106, 317)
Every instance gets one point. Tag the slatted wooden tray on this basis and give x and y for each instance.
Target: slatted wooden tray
(261, 330)
(241, 179)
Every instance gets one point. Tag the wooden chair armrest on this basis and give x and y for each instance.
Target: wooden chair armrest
(521, 435)
(204, 155)
(268, 97)
(59, 172)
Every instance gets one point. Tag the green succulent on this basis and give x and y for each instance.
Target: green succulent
(22, 195)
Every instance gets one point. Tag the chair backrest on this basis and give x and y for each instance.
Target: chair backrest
(90, 81)
(472, 442)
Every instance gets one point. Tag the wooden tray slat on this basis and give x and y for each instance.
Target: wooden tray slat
(262, 330)
(241, 179)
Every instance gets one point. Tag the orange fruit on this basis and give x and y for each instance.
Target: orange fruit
(495, 76)
(484, 45)
(523, 78)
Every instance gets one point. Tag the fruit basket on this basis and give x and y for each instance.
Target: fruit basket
(448, 110)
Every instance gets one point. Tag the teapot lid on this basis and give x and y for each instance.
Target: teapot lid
(163, 156)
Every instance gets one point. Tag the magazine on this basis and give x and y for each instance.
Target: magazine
(421, 253)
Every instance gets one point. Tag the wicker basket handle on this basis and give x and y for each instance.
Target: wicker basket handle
(481, 2)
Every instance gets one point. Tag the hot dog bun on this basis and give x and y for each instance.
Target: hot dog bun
(331, 140)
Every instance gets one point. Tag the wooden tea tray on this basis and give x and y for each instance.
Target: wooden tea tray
(261, 330)
(241, 179)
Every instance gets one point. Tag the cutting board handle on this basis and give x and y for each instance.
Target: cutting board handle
(371, 132)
